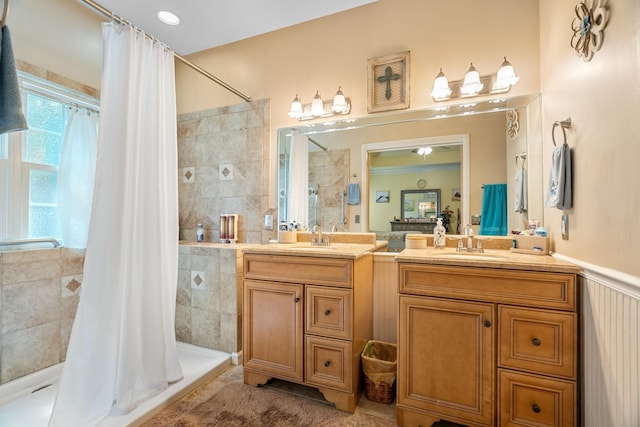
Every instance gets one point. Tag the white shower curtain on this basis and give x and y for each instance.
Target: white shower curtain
(76, 177)
(122, 348)
(298, 191)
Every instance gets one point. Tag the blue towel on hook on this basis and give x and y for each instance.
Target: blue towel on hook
(11, 115)
(494, 210)
(353, 194)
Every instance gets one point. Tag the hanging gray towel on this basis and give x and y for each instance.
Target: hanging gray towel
(353, 194)
(559, 190)
(11, 116)
(521, 190)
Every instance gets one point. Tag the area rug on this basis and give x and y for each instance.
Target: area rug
(247, 406)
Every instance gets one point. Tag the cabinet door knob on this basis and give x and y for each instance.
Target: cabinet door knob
(296, 299)
(535, 408)
(487, 323)
(327, 312)
(536, 342)
(326, 364)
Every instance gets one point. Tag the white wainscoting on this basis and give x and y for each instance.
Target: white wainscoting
(385, 297)
(610, 347)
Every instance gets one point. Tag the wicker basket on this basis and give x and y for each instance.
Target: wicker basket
(381, 393)
(379, 361)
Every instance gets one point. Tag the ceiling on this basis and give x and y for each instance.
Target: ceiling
(210, 23)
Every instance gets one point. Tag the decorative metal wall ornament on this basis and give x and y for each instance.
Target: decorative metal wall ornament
(513, 123)
(388, 82)
(588, 28)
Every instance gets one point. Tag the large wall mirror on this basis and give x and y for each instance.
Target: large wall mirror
(472, 145)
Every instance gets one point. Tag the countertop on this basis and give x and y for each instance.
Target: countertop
(335, 250)
(491, 258)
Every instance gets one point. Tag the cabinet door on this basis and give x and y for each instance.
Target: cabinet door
(272, 335)
(446, 358)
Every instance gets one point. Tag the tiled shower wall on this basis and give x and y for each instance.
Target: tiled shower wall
(329, 170)
(223, 168)
(209, 297)
(40, 293)
(223, 157)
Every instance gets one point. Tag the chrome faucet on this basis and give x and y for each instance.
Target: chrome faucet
(317, 232)
(468, 231)
(318, 239)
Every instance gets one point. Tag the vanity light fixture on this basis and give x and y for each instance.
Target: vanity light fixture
(506, 76)
(441, 89)
(317, 106)
(474, 84)
(296, 109)
(320, 108)
(168, 18)
(340, 105)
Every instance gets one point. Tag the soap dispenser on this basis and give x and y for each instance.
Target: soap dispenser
(439, 233)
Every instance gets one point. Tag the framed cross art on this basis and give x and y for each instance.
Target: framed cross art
(388, 82)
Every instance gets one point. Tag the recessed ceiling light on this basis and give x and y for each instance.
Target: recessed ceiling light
(168, 17)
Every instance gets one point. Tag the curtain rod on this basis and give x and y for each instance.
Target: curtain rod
(107, 13)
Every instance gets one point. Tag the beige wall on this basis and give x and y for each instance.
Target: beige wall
(601, 97)
(61, 36)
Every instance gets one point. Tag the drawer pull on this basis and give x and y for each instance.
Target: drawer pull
(536, 342)
(326, 364)
(327, 312)
(535, 408)
(487, 323)
(296, 299)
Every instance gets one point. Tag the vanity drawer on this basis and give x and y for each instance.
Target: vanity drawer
(328, 363)
(301, 269)
(518, 287)
(529, 400)
(538, 340)
(328, 311)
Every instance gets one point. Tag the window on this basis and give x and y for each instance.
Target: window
(29, 160)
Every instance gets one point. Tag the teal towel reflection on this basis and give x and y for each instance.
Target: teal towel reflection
(494, 210)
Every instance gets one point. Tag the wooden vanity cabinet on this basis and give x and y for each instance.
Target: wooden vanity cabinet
(486, 347)
(306, 320)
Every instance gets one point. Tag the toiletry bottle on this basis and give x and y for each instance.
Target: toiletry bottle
(200, 233)
(439, 233)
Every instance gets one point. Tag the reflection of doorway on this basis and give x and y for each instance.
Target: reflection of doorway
(388, 147)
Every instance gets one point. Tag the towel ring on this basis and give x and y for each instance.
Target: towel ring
(564, 124)
(5, 13)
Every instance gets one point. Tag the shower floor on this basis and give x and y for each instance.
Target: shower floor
(28, 401)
